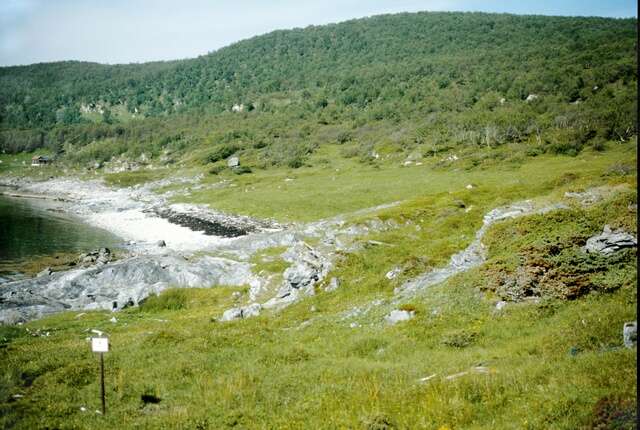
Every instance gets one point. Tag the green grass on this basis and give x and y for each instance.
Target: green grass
(129, 179)
(346, 185)
(269, 261)
(555, 363)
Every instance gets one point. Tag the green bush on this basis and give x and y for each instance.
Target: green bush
(221, 152)
(241, 170)
(171, 300)
(217, 169)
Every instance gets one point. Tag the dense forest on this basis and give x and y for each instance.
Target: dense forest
(425, 81)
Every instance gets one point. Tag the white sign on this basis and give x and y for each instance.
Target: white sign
(100, 344)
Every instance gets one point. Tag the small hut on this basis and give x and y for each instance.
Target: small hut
(40, 160)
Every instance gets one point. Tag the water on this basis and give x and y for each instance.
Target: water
(32, 228)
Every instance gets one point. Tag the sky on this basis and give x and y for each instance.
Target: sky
(134, 31)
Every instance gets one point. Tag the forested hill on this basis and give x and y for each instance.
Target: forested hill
(387, 67)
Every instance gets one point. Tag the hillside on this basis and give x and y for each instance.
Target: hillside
(438, 79)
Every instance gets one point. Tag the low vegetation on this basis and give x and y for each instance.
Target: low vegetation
(553, 362)
(448, 115)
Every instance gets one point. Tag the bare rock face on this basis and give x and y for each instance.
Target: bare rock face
(609, 242)
(114, 286)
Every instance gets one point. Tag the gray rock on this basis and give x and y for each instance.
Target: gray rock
(609, 242)
(397, 316)
(231, 314)
(46, 272)
(253, 310)
(233, 162)
(393, 273)
(161, 244)
(116, 285)
(334, 284)
(501, 305)
(630, 334)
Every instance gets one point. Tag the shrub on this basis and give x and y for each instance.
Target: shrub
(408, 307)
(460, 339)
(343, 137)
(614, 413)
(221, 152)
(241, 170)
(216, 170)
(172, 300)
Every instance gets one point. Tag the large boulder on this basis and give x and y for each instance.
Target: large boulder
(398, 315)
(609, 241)
(233, 162)
(630, 334)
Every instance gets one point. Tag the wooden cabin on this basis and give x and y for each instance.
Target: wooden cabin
(40, 160)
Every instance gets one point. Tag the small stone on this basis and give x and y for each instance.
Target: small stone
(426, 378)
(501, 305)
(354, 325)
(113, 320)
(231, 314)
(45, 272)
(397, 316)
(630, 334)
(253, 310)
(470, 186)
(161, 244)
(233, 162)
(313, 308)
(393, 273)
(334, 284)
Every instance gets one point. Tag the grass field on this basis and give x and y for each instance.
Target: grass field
(552, 363)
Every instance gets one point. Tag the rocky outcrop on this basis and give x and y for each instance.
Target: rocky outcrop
(117, 285)
(609, 242)
(308, 267)
(474, 254)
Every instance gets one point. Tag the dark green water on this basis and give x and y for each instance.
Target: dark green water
(32, 228)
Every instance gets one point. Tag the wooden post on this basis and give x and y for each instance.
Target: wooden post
(101, 345)
(104, 403)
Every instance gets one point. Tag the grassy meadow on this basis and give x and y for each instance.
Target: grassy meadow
(554, 363)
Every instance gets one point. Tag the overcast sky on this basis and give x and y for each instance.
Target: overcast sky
(125, 31)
